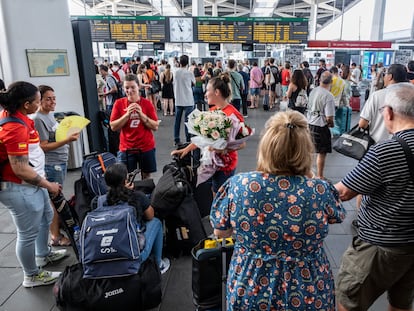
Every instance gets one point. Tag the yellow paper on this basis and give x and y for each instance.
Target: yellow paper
(70, 125)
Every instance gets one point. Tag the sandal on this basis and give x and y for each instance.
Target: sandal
(60, 241)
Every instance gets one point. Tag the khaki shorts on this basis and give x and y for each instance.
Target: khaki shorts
(367, 271)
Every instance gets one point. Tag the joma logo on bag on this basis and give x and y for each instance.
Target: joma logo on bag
(347, 143)
(114, 292)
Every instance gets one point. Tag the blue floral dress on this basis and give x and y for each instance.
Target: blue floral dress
(279, 223)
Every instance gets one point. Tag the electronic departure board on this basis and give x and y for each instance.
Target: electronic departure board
(280, 30)
(223, 30)
(138, 28)
(159, 29)
(100, 31)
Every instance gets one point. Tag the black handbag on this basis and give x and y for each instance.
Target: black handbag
(155, 86)
(354, 143)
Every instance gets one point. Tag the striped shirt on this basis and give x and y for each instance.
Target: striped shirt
(386, 217)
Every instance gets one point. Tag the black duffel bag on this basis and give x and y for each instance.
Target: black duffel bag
(135, 292)
(170, 190)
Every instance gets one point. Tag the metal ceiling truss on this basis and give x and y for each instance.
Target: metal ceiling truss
(328, 10)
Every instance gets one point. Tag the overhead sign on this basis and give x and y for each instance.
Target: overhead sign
(403, 56)
(349, 44)
(263, 30)
(126, 28)
(223, 30)
(280, 30)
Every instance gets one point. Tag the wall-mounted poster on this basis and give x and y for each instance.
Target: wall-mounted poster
(47, 63)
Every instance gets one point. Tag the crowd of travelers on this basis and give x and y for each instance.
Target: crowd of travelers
(279, 214)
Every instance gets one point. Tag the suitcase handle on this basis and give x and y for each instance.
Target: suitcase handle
(101, 162)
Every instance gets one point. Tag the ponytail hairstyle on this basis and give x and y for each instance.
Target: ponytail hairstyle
(222, 83)
(115, 177)
(17, 95)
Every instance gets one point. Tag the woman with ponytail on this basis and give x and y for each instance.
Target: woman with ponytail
(24, 189)
(218, 93)
(120, 190)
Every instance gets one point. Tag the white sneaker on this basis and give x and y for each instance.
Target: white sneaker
(41, 278)
(164, 265)
(53, 256)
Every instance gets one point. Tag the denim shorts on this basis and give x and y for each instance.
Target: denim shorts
(56, 172)
(146, 160)
(368, 270)
(255, 91)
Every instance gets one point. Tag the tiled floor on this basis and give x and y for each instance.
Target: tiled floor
(176, 282)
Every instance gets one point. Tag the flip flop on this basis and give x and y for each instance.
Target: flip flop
(60, 241)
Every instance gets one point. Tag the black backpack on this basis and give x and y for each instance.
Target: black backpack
(120, 90)
(276, 74)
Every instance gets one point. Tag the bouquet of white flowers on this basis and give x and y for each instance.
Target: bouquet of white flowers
(214, 132)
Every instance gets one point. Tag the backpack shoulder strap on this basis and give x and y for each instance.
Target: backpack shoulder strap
(101, 201)
(11, 119)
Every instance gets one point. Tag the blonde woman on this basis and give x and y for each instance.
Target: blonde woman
(279, 216)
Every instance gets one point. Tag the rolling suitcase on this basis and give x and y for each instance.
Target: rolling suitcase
(343, 116)
(211, 259)
(355, 103)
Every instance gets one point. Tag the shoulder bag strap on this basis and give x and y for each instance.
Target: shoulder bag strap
(408, 154)
(235, 82)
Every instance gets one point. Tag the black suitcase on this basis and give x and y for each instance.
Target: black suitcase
(184, 228)
(211, 259)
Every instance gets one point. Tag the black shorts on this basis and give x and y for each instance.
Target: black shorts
(321, 138)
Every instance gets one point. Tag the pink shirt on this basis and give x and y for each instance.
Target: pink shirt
(256, 77)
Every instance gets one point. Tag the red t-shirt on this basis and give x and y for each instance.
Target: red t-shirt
(285, 77)
(229, 110)
(135, 134)
(15, 138)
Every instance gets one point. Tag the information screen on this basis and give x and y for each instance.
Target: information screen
(138, 28)
(223, 30)
(280, 30)
(100, 30)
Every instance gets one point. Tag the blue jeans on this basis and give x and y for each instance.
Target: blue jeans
(178, 114)
(56, 173)
(198, 94)
(236, 102)
(153, 240)
(32, 214)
